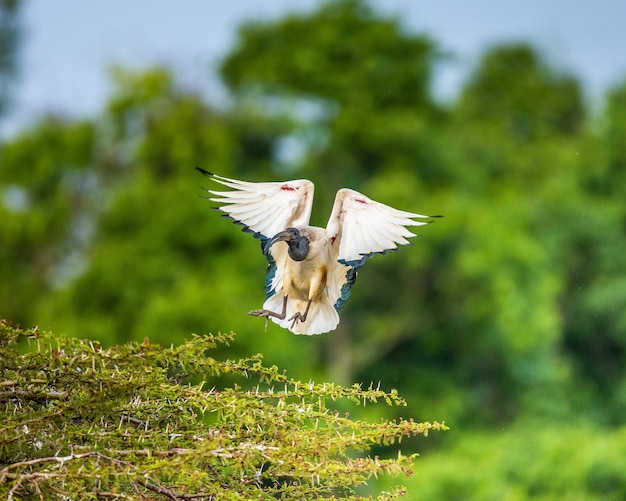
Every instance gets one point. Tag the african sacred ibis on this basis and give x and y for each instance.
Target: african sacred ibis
(311, 270)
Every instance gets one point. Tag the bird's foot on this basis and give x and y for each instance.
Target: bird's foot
(267, 314)
(296, 317)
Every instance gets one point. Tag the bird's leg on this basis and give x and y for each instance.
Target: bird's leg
(300, 316)
(267, 313)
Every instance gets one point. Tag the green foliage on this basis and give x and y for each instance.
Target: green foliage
(45, 178)
(615, 179)
(531, 460)
(139, 420)
(509, 84)
(299, 53)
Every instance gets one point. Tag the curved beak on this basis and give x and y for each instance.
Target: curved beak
(279, 237)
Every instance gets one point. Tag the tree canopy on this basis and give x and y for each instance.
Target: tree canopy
(136, 421)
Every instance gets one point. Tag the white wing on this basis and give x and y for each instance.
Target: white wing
(265, 208)
(360, 227)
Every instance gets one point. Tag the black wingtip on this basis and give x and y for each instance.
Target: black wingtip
(205, 172)
(433, 219)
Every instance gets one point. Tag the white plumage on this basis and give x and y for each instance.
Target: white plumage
(311, 270)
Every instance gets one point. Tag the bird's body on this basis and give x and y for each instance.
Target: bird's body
(304, 281)
(311, 270)
(307, 278)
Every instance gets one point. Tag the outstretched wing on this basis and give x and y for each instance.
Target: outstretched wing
(264, 209)
(360, 227)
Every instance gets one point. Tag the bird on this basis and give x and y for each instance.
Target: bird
(311, 270)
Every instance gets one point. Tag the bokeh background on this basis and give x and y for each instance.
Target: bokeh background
(506, 319)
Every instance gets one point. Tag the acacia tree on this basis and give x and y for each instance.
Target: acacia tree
(141, 421)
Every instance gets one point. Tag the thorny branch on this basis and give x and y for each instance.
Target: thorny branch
(146, 482)
(142, 426)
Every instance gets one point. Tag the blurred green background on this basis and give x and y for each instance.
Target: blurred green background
(506, 319)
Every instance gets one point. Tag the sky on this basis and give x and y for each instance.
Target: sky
(68, 45)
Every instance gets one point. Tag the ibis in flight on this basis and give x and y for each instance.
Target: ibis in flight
(311, 270)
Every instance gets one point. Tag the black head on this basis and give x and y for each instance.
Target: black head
(298, 243)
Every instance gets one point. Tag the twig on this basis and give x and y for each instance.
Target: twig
(33, 394)
(159, 489)
(58, 459)
(34, 420)
(147, 452)
(29, 476)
